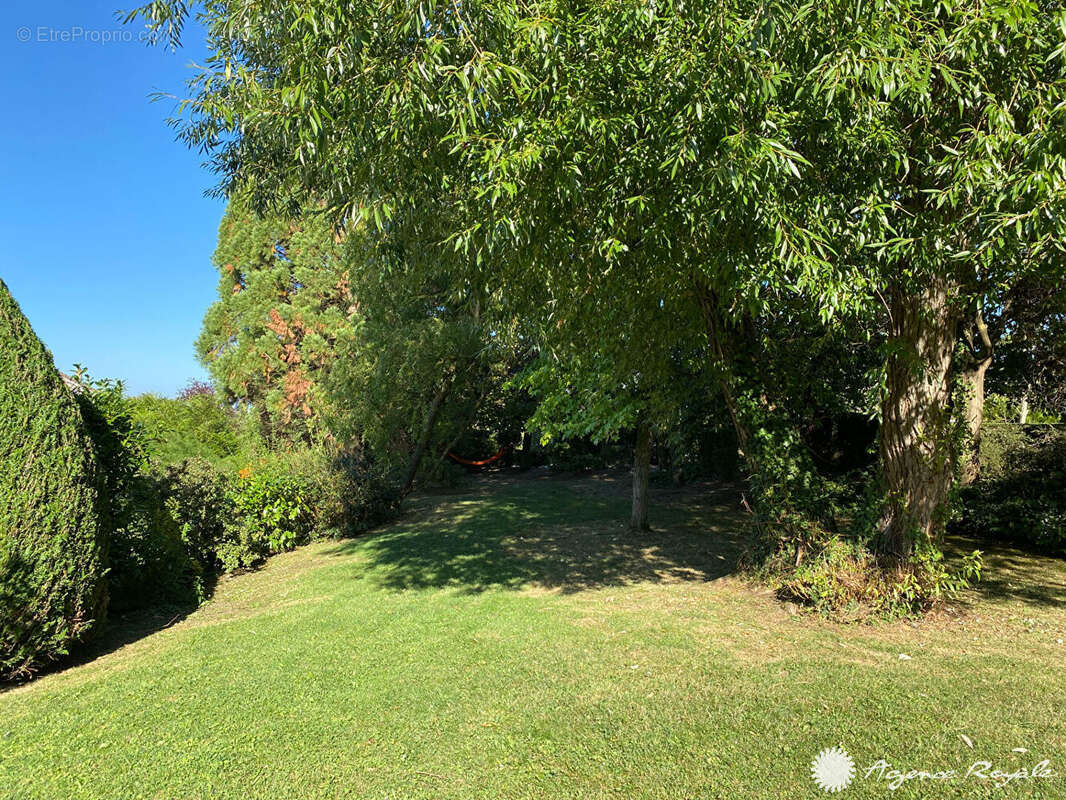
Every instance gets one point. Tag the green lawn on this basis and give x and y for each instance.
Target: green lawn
(514, 640)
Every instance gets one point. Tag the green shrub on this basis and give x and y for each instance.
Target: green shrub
(1002, 446)
(274, 509)
(196, 425)
(369, 495)
(581, 455)
(324, 485)
(1020, 494)
(150, 564)
(999, 408)
(219, 514)
(53, 550)
(198, 499)
(121, 443)
(840, 573)
(844, 578)
(1002, 409)
(286, 499)
(230, 521)
(816, 538)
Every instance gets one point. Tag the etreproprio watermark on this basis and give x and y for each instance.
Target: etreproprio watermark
(47, 34)
(834, 770)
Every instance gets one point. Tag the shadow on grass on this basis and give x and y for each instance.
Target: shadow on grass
(116, 632)
(555, 534)
(1013, 573)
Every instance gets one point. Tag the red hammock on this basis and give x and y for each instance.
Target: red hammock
(469, 463)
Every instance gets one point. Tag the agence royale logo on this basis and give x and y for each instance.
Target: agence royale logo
(833, 769)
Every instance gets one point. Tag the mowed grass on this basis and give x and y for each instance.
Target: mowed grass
(513, 640)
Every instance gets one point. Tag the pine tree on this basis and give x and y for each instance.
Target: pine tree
(283, 298)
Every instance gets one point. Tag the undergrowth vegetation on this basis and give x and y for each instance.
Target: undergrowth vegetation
(229, 502)
(187, 491)
(1019, 495)
(815, 542)
(846, 579)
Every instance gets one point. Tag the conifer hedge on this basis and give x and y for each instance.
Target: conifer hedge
(53, 548)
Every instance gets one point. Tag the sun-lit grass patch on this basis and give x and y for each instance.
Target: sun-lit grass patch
(514, 640)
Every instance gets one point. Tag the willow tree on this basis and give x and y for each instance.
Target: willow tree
(626, 386)
(415, 370)
(955, 114)
(710, 158)
(625, 155)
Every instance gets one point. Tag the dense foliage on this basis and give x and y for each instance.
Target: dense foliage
(197, 425)
(224, 503)
(148, 563)
(1020, 494)
(1030, 350)
(53, 543)
(670, 197)
(284, 298)
(786, 242)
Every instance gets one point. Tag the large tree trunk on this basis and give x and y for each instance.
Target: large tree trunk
(427, 434)
(916, 446)
(641, 472)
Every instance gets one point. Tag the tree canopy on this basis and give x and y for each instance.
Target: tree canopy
(676, 170)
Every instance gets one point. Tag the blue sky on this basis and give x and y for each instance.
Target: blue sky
(103, 215)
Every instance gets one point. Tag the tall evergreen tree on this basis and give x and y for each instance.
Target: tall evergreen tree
(284, 298)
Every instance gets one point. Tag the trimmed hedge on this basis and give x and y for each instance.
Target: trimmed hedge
(53, 550)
